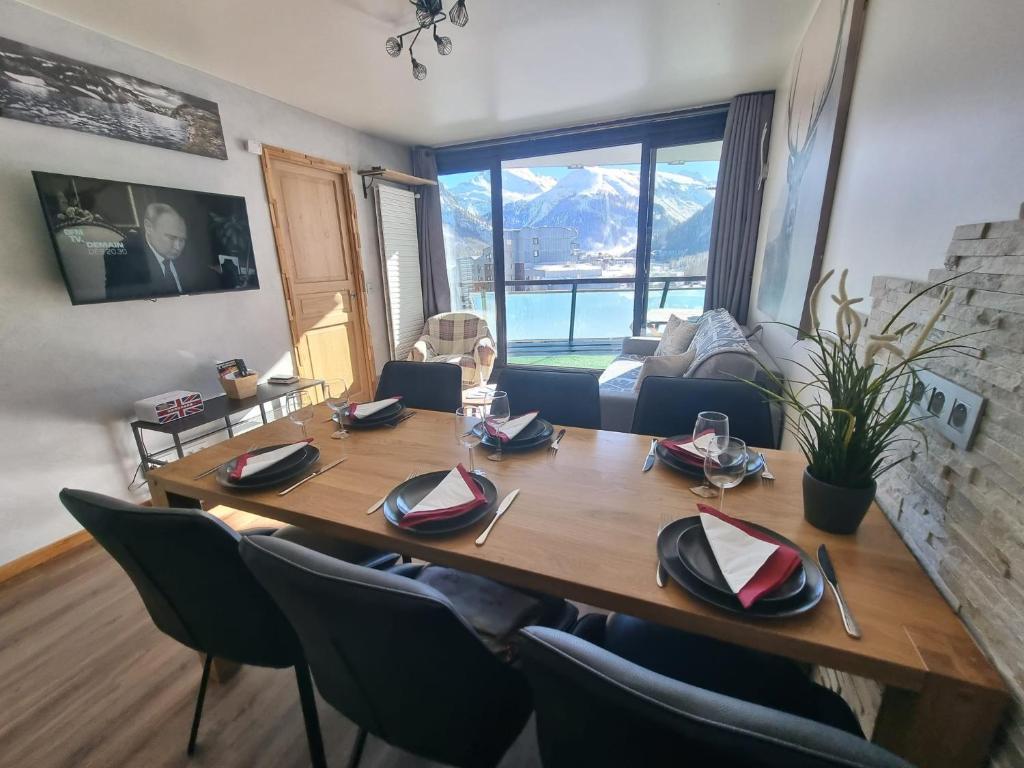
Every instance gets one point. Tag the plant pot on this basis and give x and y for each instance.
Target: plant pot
(835, 509)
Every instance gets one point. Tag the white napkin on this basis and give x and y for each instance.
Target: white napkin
(453, 491)
(250, 464)
(362, 410)
(514, 426)
(739, 555)
(698, 447)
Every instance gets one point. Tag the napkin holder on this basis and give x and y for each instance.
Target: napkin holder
(240, 387)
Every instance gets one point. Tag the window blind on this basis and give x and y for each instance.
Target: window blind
(400, 266)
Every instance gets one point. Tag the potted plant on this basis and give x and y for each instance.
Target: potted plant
(847, 414)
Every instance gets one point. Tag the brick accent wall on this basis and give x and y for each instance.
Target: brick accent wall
(962, 513)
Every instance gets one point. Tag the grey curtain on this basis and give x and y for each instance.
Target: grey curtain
(738, 203)
(433, 270)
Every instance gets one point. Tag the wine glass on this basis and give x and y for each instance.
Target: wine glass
(300, 409)
(709, 425)
(468, 428)
(725, 464)
(336, 391)
(497, 415)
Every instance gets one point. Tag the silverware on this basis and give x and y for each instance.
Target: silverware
(766, 474)
(380, 502)
(211, 470)
(501, 510)
(659, 575)
(404, 417)
(557, 440)
(649, 461)
(319, 472)
(825, 562)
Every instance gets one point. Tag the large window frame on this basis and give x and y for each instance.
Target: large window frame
(653, 132)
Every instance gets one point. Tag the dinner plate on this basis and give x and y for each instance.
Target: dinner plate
(803, 601)
(537, 432)
(383, 416)
(282, 471)
(755, 464)
(699, 559)
(410, 493)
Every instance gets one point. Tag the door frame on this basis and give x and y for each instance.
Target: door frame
(360, 296)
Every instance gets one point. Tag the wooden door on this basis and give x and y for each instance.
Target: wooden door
(313, 212)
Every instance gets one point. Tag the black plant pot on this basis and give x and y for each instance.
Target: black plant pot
(835, 509)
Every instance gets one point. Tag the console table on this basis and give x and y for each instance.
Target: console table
(220, 408)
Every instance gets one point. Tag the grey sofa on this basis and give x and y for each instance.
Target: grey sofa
(618, 396)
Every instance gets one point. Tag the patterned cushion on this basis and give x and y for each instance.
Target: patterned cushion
(621, 374)
(465, 361)
(717, 332)
(454, 332)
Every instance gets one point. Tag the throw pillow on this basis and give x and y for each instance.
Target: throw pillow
(677, 337)
(665, 365)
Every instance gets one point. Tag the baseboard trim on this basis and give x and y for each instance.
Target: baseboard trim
(43, 555)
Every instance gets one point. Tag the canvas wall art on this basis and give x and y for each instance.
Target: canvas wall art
(821, 81)
(42, 87)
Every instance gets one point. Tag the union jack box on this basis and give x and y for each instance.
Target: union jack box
(169, 406)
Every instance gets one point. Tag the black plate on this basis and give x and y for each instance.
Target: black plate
(533, 434)
(284, 470)
(410, 493)
(385, 416)
(698, 558)
(808, 597)
(755, 464)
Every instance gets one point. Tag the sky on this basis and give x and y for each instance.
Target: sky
(706, 169)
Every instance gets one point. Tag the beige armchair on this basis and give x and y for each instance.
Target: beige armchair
(459, 338)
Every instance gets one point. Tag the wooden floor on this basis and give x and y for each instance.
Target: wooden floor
(87, 681)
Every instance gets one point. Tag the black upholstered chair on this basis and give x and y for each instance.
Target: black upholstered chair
(185, 565)
(669, 406)
(430, 386)
(596, 708)
(565, 398)
(394, 655)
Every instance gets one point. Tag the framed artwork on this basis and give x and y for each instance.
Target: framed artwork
(46, 88)
(815, 121)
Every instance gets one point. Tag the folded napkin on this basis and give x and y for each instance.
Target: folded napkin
(362, 410)
(688, 449)
(250, 463)
(753, 564)
(512, 427)
(453, 496)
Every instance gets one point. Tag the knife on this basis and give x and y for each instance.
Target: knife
(849, 623)
(319, 472)
(501, 510)
(649, 461)
(557, 440)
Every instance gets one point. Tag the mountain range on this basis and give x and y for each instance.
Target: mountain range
(601, 203)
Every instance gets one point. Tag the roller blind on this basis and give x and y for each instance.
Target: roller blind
(400, 266)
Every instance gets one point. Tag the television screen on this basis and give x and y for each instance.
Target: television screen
(117, 241)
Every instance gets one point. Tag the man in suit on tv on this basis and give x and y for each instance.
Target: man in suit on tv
(149, 263)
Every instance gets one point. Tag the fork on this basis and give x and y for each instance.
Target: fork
(766, 474)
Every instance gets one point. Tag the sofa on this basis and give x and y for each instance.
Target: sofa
(458, 338)
(723, 349)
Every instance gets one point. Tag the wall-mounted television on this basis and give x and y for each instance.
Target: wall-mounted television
(118, 241)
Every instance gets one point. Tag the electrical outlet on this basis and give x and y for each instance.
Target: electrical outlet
(948, 408)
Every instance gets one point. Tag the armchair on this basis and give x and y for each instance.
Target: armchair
(459, 338)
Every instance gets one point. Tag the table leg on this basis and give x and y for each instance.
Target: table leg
(263, 413)
(227, 421)
(177, 445)
(143, 453)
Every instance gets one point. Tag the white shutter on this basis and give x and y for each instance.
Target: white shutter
(400, 265)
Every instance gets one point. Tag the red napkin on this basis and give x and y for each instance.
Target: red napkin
(776, 569)
(512, 427)
(677, 449)
(457, 494)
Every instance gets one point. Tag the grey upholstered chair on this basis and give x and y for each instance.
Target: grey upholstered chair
(422, 385)
(669, 406)
(598, 709)
(394, 655)
(565, 398)
(185, 565)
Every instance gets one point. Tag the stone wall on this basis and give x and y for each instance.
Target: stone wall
(962, 513)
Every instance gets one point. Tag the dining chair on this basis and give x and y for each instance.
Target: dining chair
(669, 406)
(596, 708)
(429, 386)
(394, 655)
(185, 565)
(565, 398)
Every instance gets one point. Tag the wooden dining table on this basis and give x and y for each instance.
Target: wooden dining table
(584, 528)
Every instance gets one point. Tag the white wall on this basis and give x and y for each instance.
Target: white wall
(935, 138)
(68, 375)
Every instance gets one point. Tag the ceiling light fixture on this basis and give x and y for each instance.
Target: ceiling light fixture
(429, 13)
